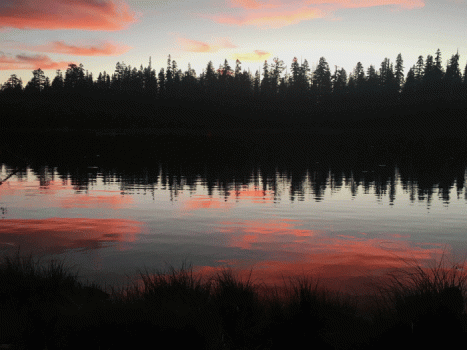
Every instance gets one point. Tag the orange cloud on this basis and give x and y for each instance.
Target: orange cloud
(256, 56)
(200, 46)
(29, 62)
(106, 15)
(282, 13)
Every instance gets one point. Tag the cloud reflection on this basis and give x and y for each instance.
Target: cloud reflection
(342, 262)
(58, 235)
(208, 202)
(92, 201)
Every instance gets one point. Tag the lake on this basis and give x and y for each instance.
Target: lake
(341, 209)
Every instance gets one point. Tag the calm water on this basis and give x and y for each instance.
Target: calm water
(354, 211)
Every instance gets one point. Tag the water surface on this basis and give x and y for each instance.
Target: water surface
(340, 215)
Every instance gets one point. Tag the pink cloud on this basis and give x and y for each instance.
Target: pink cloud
(280, 13)
(251, 4)
(200, 46)
(30, 62)
(272, 18)
(255, 56)
(104, 49)
(106, 15)
(405, 4)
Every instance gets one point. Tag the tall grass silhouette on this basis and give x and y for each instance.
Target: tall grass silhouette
(46, 307)
(425, 304)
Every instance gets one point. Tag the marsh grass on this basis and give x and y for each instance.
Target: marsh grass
(46, 307)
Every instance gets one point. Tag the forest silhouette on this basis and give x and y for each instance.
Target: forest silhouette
(429, 97)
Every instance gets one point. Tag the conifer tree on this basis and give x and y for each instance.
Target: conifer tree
(74, 76)
(265, 82)
(13, 84)
(119, 76)
(438, 69)
(257, 83)
(322, 77)
(57, 82)
(429, 66)
(161, 81)
(419, 70)
(453, 74)
(399, 72)
(295, 68)
(453, 79)
(169, 79)
(305, 76)
(339, 80)
(210, 82)
(372, 79)
(438, 61)
(238, 67)
(149, 80)
(238, 77)
(276, 69)
(245, 85)
(37, 83)
(410, 86)
(359, 75)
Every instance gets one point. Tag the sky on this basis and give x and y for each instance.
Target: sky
(50, 34)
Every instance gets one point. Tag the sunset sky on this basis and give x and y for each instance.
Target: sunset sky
(50, 34)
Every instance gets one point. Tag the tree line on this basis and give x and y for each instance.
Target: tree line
(274, 89)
